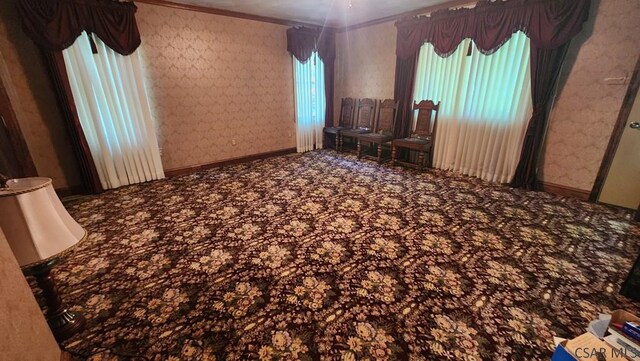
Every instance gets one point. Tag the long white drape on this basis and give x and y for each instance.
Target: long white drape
(485, 106)
(113, 108)
(310, 102)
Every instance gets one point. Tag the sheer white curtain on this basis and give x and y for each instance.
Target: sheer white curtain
(310, 102)
(109, 93)
(485, 106)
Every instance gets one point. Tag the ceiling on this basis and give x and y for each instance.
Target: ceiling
(334, 13)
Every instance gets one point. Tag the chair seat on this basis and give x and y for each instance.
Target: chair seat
(333, 130)
(354, 132)
(375, 137)
(413, 143)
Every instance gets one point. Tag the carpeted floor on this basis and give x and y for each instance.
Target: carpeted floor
(321, 256)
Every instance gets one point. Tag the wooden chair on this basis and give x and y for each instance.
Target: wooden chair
(345, 121)
(421, 140)
(365, 112)
(384, 130)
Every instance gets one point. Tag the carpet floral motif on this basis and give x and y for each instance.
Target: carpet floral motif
(324, 257)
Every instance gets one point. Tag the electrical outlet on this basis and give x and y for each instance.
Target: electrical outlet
(621, 80)
(233, 142)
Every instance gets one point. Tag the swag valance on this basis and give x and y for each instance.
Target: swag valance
(301, 42)
(55, 24)
(548, 23)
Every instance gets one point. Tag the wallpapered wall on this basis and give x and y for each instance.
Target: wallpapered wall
(585, 109)
(213, 80)
(24, 75)
(365, 63)
(25, 333)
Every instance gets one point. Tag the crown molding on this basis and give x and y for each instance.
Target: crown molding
(421, 11)
(229, 13)
(266, 19)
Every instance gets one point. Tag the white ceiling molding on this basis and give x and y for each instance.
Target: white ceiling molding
(332, 13)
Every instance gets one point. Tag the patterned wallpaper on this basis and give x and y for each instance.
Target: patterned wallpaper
(25, 77)
(214, 80)
(26, 333)
(365, 63)
(586, 108)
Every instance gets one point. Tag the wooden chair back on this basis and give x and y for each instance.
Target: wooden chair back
(346, 113)
(386, 116)
(365, 113)
(425, 109)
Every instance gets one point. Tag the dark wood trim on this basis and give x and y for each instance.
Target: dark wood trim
(69, 191)
(563, 190)
(424, 10)
(616, 135)
(223, 12)
(188, 170)
(17, 145)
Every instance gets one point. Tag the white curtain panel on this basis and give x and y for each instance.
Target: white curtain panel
(485, 106)
(310, 102)
(109, 93)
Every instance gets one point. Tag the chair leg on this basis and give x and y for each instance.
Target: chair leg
(359, 149)
(394, 153)
(379, 153)
(420, 160)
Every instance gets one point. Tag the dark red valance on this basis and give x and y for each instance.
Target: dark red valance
(302, 42)
(55, 24)
(548, 23)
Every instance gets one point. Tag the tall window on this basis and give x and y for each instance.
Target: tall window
(485, 106)
(113, 109)
(310, 102)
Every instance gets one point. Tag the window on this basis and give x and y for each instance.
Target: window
(310, 102)
(485, 106)
(114, 113)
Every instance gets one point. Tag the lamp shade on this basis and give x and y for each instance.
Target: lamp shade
(35, 222)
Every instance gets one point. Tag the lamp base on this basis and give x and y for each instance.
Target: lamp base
(62, 322)
(65, 324)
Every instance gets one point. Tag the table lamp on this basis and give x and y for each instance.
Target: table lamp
(39, 230)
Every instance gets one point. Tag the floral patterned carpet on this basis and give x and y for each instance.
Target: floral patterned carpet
(322, 256)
